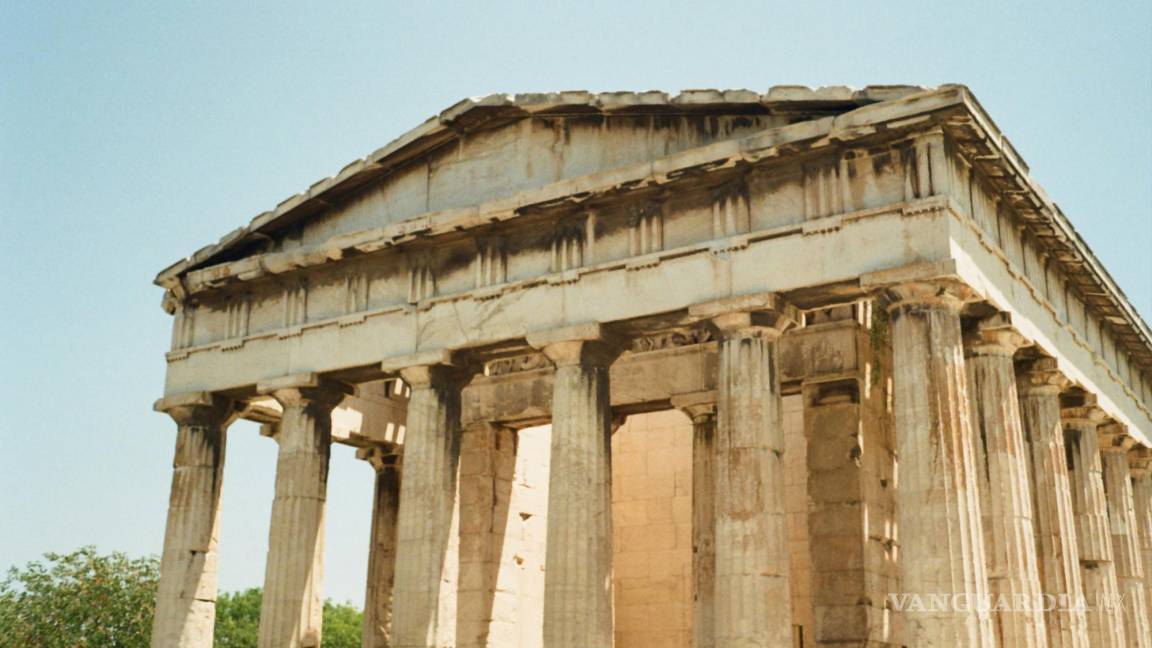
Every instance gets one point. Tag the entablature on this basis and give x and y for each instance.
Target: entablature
(805, 210)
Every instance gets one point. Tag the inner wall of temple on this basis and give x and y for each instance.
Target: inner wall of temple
(652, 531)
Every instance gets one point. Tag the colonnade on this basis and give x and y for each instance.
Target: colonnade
(1011, 486)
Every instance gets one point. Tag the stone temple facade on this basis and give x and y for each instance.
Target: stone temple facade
(719, 369)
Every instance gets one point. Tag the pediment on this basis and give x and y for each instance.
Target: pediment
(483, 149)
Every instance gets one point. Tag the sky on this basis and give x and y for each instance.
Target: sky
(133, 133)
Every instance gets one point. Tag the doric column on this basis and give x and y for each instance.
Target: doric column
(293, 603)
(1127, 556)
(1097, 569)
(423, 609)
(701, 408)
(938, 506)
(487, 467)
(578, 558)
(1039, 385)
(1005, 487)
(186, 598)
(381, 546)
(1141, 459)
(752, 598)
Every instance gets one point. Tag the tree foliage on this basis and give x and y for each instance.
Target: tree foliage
(238, 621)
(79, 600)
(343, 625)
(87, 600)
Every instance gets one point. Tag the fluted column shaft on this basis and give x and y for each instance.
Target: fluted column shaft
(381, 547)
(1126, 552)
(753, 603)
(938, 507)
(1005, 487)
(701, 408)
(1039, 386)
(487, 468)
(578, 558)
(1097, 569)
(1142, 499)
(293, 603)
(423, 611)
(186, 597)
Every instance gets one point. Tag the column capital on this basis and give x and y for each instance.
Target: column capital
(380, 457)
(1082, 412)
(582, 344)
(302, 389)
(994, 335)
(1089, 416)
(698, 406)
(935, 293)
(1114, 438)
(757, 313)
(1040, 376)
(429, 368)
(1140, 461)
(197, 408)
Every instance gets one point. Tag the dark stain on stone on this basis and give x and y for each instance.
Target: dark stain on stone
(881, 161)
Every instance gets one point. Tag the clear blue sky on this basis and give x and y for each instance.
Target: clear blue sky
(132, 133)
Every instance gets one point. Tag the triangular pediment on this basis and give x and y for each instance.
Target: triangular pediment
(482, 149)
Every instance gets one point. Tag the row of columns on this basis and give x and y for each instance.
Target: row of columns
(994, 498)
(1005, 495)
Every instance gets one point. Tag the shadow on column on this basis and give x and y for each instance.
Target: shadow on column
(487, 467)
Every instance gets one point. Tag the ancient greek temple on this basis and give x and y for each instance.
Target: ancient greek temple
(713, 370)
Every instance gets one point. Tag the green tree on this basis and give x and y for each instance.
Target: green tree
(79, 600)
(238, 621)
(343, 625)
(88, 600)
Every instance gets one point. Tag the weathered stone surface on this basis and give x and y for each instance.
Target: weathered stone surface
(753, 602)
(1142, 501)
(850, 503)
(1129, 559)
(837, 525)
(938, 504)
(335, 309)
(578, 582)
(508, 225)
(292, 605)
(424, 605)
(1097, 565)
(381, 546)
(667, 365)
(1005, 484)
(1058, 555)
(701, 408)
(186, 598)
(487, 461)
